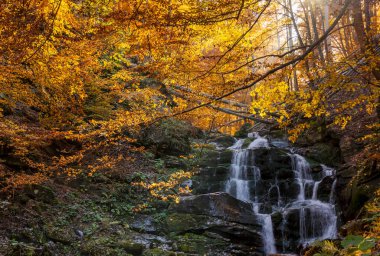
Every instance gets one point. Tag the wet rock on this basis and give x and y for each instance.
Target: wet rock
(273, 161)
(152, 241)
(203, 187)
(218, 204)
(220, 172)
(279, 143)
(324, 188)
(213, 227)
(214, 158)
(144, 223)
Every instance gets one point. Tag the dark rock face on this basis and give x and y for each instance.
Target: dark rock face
(180, 223)
(220, 205)
(223, 140)
(272, 162)
(215, 168)
(228, 221)
(144, 223)
(326, 153)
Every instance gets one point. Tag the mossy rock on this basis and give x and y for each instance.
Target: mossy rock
(359, 195)
(159, 252)
(94, 246)
(246, 143)
(223, 140)
(107, 246)
(130, 247)
(22, 249)
(59, 234)
(38, 193)
(214, 158)
(324, 153)
(180, 222)
(197, 244)
(29, 235)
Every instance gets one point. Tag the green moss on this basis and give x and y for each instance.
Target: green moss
(59, 234)
(177, 222)
(158, 252)
(246, 143)
(130, 247)
(199, 244)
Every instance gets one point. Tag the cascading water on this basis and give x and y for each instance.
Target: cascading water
(243, 173)
(316, 217)
(317, 220)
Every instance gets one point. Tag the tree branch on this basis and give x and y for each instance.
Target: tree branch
(274, 70)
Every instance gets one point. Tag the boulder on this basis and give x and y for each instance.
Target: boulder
(214, 158)
(144, 223)
(219, 204)
(58, 234)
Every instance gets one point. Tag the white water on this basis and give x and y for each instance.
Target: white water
(315, 190)
(317, 219)
(241, 176)
(259, 142)
(331, 197)
(238, 144)
(302, 170)
(268, 236)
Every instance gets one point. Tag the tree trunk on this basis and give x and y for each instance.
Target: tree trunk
(315, 31)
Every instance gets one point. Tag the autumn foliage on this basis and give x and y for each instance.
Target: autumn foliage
(99, 72)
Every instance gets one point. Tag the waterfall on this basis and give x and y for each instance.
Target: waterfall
(238, 183)
(259, 142)
(315, 190)
(242, 175)
(316, 219)
(268, 236)
(332, 192)
(302, 170)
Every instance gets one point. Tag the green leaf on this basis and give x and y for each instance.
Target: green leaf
(351, 240)
(367, 244)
